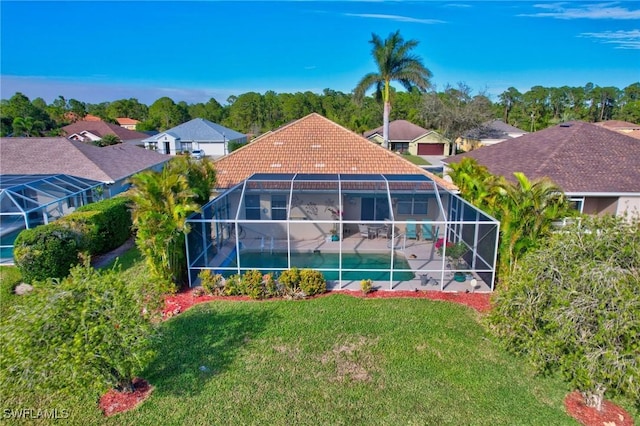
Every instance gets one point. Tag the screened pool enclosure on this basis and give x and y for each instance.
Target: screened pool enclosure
(392, 229)
(27, 201)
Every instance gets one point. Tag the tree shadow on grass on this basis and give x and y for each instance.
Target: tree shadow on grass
(199, 345)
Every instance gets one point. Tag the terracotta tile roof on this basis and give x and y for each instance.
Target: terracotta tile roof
(580, 157)
(62, 156)
(101, 128)
(123, 121)
(313, 144)
(400, 130)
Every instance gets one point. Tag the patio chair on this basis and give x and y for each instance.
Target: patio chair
(411, 231)
(429, 232)
(364, 230)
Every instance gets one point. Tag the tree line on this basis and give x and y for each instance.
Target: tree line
(451, 111)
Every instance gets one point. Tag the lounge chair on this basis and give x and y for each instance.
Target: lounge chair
(411, 231)
(429, 232)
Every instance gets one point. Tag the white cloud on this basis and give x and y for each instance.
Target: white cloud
(622, 39)
(397, 18)
(586, 11)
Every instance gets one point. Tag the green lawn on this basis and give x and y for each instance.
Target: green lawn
(416, 159)
(335, 360)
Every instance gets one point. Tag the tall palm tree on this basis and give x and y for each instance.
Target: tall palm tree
(395, 63)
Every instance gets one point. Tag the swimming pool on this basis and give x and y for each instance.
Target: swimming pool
(372, 266)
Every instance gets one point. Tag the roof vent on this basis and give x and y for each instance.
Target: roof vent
(276, 165)
(316, 146)
(277, 143)
(565, 124)
(320, 165)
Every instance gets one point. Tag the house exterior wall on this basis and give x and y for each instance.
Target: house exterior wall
(600, 205)
(429, 138)
(628, 205)
(162, 144)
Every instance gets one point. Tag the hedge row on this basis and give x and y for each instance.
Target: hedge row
(49, 251)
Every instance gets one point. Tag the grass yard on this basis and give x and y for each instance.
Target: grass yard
(335, 360)
(415, 159)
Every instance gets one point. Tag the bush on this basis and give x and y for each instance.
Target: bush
(233, 286)
(312, 282)
(252, 284)
(85, 332)
(290, 279)
(211, 283)
(46, 251)
(366, 286)
(88, 225)
(113, 225)
(271, 287)
(574, 306)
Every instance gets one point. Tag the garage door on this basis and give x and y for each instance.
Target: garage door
(431, 149)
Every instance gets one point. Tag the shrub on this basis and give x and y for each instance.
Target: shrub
(84, 332)
(574, 306)
(312, 282)
(366, 286)
(252, 284)
(88, 225)
(290, 279)
(113, 224)
(271, 287)
(211, 283)
(46, 251)
(233, 286)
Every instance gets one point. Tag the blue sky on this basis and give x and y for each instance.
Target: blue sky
(192, 51)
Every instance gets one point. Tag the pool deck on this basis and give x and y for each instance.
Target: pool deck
(421, 256)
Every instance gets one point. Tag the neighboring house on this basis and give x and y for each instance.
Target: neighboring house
(127, 123)
(313, 144)
(111, 165)
(629, 129)
(91, 131)
(197, 134)
(490, 133)
(597, 168)
(405, 136)
(43, 179)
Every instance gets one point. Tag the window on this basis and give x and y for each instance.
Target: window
(401, 147)
(186, 146)
(577, 203)
(412, 206)
(252, 207)
(279, 207)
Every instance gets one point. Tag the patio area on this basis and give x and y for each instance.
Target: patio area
(387, 228)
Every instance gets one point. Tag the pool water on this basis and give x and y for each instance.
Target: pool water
(372, 266)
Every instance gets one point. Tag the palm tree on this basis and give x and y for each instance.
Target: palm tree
(395, 63)
(108, 139)
(162, 203)
(27, 126)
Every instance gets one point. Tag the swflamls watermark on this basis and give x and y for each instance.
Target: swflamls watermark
(35, 413)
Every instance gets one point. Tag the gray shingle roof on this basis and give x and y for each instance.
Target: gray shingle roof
(580, 157)
(400, 130)
(200, 130)
(494, 129)
(62, 156)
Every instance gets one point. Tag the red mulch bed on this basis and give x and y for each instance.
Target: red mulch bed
(182, 301)
(610, 415)
(114, 402)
